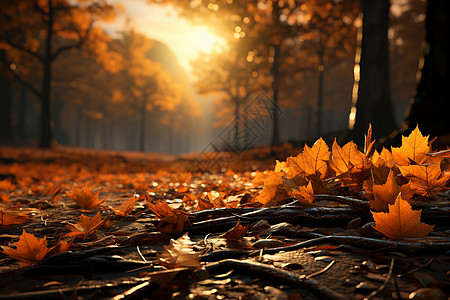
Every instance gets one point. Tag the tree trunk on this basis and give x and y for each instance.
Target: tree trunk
(321, 70)
(143, 124)
(373, 104)
(6, 133)
(275, 138)
(430, 107)
(47, 139)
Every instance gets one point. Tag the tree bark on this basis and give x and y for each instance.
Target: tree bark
(275, 138)
(321, 70)
(6, 128)
(47, 139)
(374, 104)
(430, 106)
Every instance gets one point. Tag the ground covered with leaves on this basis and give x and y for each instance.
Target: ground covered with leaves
(321, 222)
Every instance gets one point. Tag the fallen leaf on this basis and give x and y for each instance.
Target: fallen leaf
(180, 254)
(85, 226)
(126, 207)
(172, 220)
(272, 191)
(9, 218)
(401, 221)
(236, 232)
(316, 158)
(385, 194)
(414, 147)
(425, 179)
(85, 197)
(347, 158)
(312, 162)
(29, 249)
(368, 143)
(304, 194)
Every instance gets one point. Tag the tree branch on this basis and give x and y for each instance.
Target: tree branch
(80, 42)
(25, 84)
(22, 48)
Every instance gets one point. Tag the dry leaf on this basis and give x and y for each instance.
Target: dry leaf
(312, 162)
(126, 207)
(180, 254)
(425, 179)
(385, 194)
(236, 232)
(347, 158)
(316, 158)
(172, 220)
(368, 143)
(85, 226)
(401, 221)
(414, 147)
(304, 194)
(10, 218)
(272, 191)
(29, 249)
(85, 197)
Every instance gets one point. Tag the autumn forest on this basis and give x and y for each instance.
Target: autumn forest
(173, 149)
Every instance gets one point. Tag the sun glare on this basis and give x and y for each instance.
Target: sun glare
(203, 40)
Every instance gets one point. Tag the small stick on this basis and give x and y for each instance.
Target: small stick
(388, 278)
(321, 271)
(140, 254)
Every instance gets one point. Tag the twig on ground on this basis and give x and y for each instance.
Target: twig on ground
(321, 271)
(383, 286)
(265, 271)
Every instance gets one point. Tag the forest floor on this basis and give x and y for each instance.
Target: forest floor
(238, 249)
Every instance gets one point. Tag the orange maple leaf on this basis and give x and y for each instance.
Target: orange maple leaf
(180, 254)
(304, 194)
(126, 207)
(425, 179)
(385, 194)
(401, 221)
(29, 249)
(313, 162)
(347, 158)
(86, 226)
(236, 232)
(85, 197)
(385, 158)
(272, 191)
(174, 220)
(414, 147)
(9, 218)
(283, 167)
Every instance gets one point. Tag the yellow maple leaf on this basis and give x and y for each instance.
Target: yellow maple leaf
(401, 221)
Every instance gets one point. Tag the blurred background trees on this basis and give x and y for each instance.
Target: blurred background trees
(309, 67)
